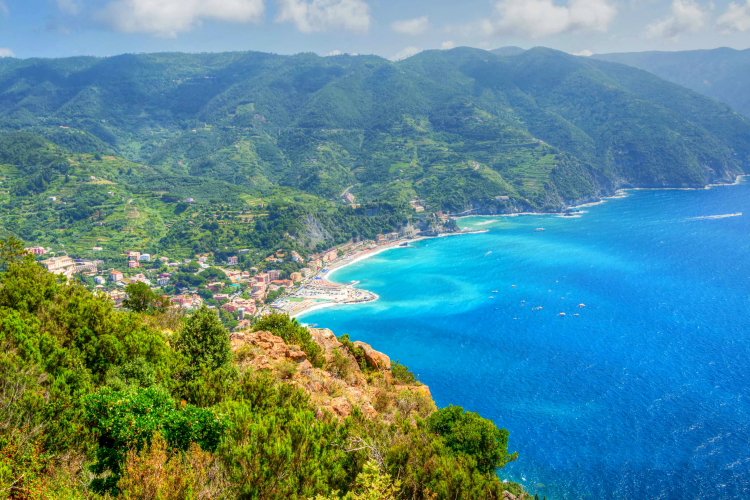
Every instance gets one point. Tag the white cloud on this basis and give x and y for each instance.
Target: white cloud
(412, 26)
(167, 18)
(325, 15)
(584, 53)
(68, 6)
(539, 18)
(406, 53)
(736, 18)
(6, 52)
(336, 52)
(686, 17)
(450, 44)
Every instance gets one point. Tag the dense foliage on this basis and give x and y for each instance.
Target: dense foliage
(94, 400)
(718, 73)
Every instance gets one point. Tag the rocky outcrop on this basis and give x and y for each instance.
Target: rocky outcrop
(341, 386)
(269, 350)
(375, 358)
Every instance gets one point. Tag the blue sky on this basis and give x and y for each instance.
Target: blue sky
(393, 29)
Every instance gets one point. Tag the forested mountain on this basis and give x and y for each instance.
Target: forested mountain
(456, 128)
(719, 73)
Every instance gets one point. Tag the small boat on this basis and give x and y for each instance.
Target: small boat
(512, 286)
(581, 305)
(539, 229)
(576, 314)
(494, 291)
(562, 314)
(539, 308)
(492, 297)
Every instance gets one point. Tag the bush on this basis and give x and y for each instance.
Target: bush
(125, 421)
(293, 333)
(470, 434)
(402, 374)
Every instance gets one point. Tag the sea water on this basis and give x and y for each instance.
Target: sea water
(644, 393)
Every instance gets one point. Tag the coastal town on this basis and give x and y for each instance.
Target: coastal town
(240, 294)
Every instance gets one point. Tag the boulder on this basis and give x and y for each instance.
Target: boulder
(373, 357)
(296, 356)
(325, 338)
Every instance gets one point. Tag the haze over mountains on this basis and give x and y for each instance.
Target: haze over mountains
(722, 73)
(456, 128)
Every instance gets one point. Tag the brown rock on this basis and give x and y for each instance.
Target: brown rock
(341, 406)
(507, 495)
(375, 358)
(305, 366)
(296, 356)
(325, 339)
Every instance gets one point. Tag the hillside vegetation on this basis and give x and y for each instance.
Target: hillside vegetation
(454, 128)
(721, 74)
(97, 403)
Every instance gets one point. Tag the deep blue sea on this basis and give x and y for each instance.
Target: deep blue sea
(644, 395)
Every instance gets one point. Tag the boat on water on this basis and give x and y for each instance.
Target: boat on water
(539, 229)
(494, 291)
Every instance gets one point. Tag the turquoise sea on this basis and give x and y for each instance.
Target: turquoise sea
(644, 395)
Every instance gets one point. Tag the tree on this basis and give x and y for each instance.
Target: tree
(468, 433)
(204, 341)
(128, 420)
(142, 299)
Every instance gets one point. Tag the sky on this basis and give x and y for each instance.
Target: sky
(394, 29)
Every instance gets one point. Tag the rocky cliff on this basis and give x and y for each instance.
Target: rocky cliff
(346, 382)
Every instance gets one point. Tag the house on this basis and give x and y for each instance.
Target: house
(274, 274)
(244, 251)
(297, 258)
(100, 280)
(284, 283)
(163, 281)
(36, 250)
(145, 257)
(502, 198)
(117, 296)
(233, 260)
(215, 286)
(263, 278)
(116, 276)
(259, 287)
(220, 296)
(132, 264)
(296, 277)
(134, 255)
(392, 236)
(380, 238)
(331, 255)
(58, 264)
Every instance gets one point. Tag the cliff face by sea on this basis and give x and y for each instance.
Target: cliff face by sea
(372, 385)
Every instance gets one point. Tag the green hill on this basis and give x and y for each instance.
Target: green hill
(721, 74)
(456, 128)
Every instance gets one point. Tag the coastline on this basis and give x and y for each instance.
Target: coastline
(363, 255)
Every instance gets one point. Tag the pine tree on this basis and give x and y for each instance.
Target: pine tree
(204, 341)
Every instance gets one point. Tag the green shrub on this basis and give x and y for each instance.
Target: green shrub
(293, 333)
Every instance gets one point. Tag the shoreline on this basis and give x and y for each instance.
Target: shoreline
(619, 194)
(364, 255)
